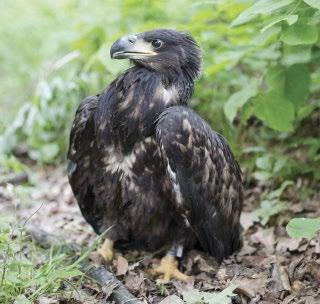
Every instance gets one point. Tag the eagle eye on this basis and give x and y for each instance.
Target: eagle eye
(157, 43)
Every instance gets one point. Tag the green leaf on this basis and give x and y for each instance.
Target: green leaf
(238, 99)
(291, 19)
(280, 163)
(278, 192)
(262, 7)
(267, 36)
(269, 208)
(46, 152)
(306, 110)
(198, 297)
(297, 84)
(313, 3)
(274, 110)
(262, 175)
(303, 227)
(276, 77)
(64, 274)
(264, 163)
(296, 54)
(300, 34)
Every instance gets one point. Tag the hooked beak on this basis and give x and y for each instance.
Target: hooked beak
(131, 47)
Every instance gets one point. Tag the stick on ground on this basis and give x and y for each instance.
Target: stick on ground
(118, 292)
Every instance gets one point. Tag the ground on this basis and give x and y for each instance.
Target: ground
(270, 268)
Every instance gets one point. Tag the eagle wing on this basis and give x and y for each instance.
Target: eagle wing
(87, 180)
(205, 177)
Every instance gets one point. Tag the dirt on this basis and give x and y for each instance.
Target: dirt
(270, 268)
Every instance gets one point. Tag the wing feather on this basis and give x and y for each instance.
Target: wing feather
(202, 168)
(88, 181)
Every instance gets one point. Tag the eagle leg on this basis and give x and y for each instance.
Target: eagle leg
(168, 269)
(106, 250)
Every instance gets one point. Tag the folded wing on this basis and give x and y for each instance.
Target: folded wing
(205, 177)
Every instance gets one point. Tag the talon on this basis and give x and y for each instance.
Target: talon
(168, 269)
(106, 250)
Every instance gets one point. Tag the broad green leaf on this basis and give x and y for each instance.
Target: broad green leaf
(303, 227)
(274, 110)
(264, 37)
(199, 297)
(296, 54)
(276, 77)
(278, 192)
(269, 208)
(305, 111)
(264, 163)
(313, 3)
(262, 175)
(49, 151)
(238, 99)
(300, 34)
(280, 163)
(261, 7)
(291, 19)
(297, 84)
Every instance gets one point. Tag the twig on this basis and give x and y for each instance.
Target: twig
(15, 179)
(118, 292)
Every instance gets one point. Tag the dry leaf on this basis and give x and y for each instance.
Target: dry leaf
(122, 265)
(248, 219)
(264, 237)
(172, 300)
(250, 287)
(285, 244)
(280, 278)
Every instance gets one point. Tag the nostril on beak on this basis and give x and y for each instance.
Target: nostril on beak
(132, 39)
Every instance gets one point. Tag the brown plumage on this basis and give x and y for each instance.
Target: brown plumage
(143, 162)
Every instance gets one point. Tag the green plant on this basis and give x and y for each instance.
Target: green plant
(303, 227)
(27, 271)
(271, 203)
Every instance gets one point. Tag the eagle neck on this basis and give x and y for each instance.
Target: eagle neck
(182, 82)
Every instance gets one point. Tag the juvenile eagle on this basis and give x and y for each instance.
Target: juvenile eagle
(143, 162)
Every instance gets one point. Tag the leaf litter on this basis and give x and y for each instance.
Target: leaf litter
(270, 268)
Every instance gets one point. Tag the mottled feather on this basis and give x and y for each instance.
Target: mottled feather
(142, 162)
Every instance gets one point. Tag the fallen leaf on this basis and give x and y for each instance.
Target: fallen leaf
(172, 300)
(316, 244)
(280, 278)
(96, 258)
(122, 265)
(265, 237)
(285, 244)
(246, 249)
(248, 219)
(251, 286)
(196, 296)
(133, 281)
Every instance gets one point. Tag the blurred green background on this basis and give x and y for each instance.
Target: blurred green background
(260, 86)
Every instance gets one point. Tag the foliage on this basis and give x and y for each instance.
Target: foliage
(29, 270)
(303, 227)
(271, 203)
(198, 297)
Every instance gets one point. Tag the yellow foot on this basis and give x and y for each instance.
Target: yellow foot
(168, 269)
(106, 250)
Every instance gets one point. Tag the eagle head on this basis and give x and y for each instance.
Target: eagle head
(166, 51)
